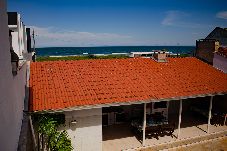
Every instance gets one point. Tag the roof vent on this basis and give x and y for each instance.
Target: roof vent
(159, 56)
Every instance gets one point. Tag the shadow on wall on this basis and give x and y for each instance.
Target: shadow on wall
(117, 131)
(30, 105)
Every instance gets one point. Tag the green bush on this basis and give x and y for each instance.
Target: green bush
(47, 126)
(39, 59)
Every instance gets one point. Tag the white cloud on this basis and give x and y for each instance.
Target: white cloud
(172, 17)
(222, 15)
(50, 36)
(177, 18)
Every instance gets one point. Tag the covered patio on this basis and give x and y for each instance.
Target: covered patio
(122, 138)
(188, 125)
(83, 89)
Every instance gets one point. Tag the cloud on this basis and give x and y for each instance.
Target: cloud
(177, 18)
(51, 36)
(172, 17)
(222, 15)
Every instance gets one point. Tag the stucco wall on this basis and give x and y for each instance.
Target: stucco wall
(86, 134)
(12, 90)
(220, 63)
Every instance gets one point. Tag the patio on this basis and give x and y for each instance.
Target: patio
(120, 136)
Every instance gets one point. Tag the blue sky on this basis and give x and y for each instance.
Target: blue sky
(120, 22)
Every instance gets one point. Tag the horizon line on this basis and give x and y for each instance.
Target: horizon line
(117, 46)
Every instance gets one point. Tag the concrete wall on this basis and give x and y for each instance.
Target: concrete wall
(12, 90)
(220, 62)
(205, 50)
(86, 134)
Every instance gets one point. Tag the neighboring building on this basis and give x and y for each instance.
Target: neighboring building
(147, 54)
(28, 35)
(96, 93)
(219, 34)
(220, 59)
(205, 49)
(12, 85)
(21, 39)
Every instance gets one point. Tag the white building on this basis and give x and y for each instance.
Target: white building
(12, 87)
(19, 34)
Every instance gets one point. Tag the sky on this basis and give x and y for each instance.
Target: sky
(82, 23)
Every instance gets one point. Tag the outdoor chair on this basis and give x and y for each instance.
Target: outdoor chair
(153, 131)
(167, 129)
(218, 119)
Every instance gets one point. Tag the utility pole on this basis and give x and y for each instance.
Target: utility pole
(33, 38)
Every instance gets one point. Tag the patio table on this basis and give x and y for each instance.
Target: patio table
(150, 122)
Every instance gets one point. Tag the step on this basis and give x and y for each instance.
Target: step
(212, 144)
(181, 142)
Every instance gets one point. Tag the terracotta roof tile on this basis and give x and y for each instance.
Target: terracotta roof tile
(65, 84)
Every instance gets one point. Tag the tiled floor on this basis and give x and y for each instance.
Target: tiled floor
(119, 137)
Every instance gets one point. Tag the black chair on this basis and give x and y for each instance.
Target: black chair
(153, 131)
(167, 129)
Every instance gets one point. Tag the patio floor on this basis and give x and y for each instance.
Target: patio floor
(120, 137)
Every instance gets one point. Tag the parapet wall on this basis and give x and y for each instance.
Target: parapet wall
(205, 50)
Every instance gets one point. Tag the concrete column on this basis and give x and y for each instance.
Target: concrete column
(209, 116)
(179, 121)
(144, 123)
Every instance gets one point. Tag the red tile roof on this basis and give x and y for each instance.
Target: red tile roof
(57, 85)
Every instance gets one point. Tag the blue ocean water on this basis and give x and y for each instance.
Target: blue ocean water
(66, 51)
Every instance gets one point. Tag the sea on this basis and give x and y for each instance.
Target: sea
(106, 50)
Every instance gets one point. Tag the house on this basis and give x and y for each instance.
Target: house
(96, 96)
(220, 59)
(13, 86)
(219, 34)
(21, 39)
(205, 49)
(147, 54)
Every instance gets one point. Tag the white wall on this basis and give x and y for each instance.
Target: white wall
(86, 134)
(12, 90)
(15, 44)
(19, 38)
(220, 62)
(25, 39)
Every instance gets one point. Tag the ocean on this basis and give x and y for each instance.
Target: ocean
(67, 51)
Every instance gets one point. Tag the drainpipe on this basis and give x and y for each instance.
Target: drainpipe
(209, 117)
(144, 123)
(179, 121)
